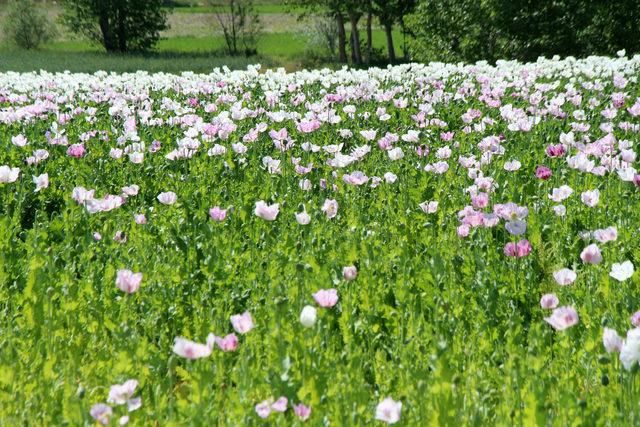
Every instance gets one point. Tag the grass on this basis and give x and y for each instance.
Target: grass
(259, 8)
(176, 54)
(92, 61)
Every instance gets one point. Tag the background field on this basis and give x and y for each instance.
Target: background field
(193, 42)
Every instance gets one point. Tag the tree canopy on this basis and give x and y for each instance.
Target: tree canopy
(118, 25)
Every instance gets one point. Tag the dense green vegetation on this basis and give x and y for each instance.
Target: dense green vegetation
(469, 226)
(471, 30)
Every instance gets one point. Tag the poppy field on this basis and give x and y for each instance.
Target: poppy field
(439, 244)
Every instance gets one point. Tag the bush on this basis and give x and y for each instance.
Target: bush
(26, 26)
(322, 37)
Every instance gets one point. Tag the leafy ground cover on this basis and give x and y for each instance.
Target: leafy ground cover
(423, 244)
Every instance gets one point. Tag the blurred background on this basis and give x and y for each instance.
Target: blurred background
(198, 35)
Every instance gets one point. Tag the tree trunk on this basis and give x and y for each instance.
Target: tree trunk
(405, 52)
(342, 39)
(352, 47)
(369, 35)
(122, 31)
(388, 29)
(355, 39)
(106, 28)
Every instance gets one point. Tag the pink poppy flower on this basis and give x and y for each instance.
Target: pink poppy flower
(167, 198)
(549, 301)
(263, 409)
(302, 412)
(81, 195)
(76, 150)
(217, 214)
(518, 250)
(463, 231)
(591, 254)
(561, 193)
(395, 153)
(590, 198)
(562, 318)
(564, 276)
(330, 208)
(389, 411)
(280, 405)
(190, 349)
(228, 343)
(429, 207)
(131, 190)
(543, 173)
(480, 200)
(8, 174)
(41, 181)
(119, 394)
(267, 212)
(611, 340)
(349, 273)
(635, 319)
(128, 281)
(605, 235)
(242, 323)
(326, 298)
(555, 150)
(308, 126)
(303, 218)
(101, 413)
(19, 140)
(355, 178)
(140, 219)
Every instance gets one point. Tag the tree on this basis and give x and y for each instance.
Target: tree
(354, 12)
(369, 31)
(240, 25)
(390, 12)
(453, 30)
(384, 10)
(334, 8)
(404, 8)
(118, 25)
(26, 25)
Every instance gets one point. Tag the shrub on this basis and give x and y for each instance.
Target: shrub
(27, 26)
(322, 36)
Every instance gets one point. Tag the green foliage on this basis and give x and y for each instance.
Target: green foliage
(26, 26)
(453, 30)
(118, 25)
(451, 327)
